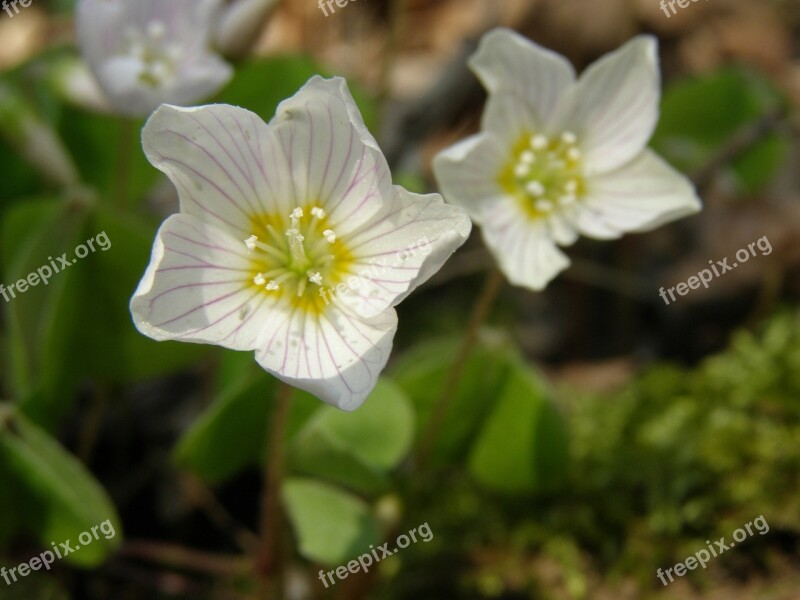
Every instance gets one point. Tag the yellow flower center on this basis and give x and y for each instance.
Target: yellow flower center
(156, 56)
(295, 258)
(544, 173)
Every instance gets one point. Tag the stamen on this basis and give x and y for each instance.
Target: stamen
(569, 138)
(296, 238)
(544, 205)
(571, 186)
(522, 170)
(539, 142)
(574, 154)
(527, 157)
(535, 188)
(156, 30)
(567, 200)
(296, 258)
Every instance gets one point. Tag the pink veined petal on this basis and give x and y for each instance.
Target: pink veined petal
(524, 80)
(197, 288)
(225, 162)
(332, 157)
(401, 249)
(468, 173)
(616, 105)
(523, 248)
(335, 356)
(642, 195)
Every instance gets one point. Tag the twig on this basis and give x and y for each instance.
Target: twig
(737, 145)
(175, 556)
(206, 501)
(269, 559)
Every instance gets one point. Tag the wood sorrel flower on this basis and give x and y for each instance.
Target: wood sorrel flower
(558, 156)
(274, 215)
(148, 52)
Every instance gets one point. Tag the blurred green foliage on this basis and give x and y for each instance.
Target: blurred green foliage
(675, 458)
(701, 117)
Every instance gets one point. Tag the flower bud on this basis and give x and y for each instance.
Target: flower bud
(240, 25)
(35, 140)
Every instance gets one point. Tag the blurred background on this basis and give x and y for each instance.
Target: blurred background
(597, 434)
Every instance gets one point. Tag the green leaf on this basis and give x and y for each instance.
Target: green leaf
(13, 500)
(358, 448)
(39, 585)
(231, 434)
(68, 500)
(114, 349)
(101, 145)
(332, 526)
(422, 373)
(78, 325)
(523, 445)
(700, 116)
(41, 323)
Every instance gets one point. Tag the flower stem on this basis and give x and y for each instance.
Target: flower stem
(269, 560)
(124, 147)
(492, 287)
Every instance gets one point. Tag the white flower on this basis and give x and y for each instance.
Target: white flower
(252, 261)
(148, 52)
(558, 157)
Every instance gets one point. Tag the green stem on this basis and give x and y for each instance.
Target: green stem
(124, 154)
(269, 560)
(492, 287)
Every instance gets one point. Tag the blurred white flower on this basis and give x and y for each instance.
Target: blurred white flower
(148, 52)
(271, 217)
(558, 157)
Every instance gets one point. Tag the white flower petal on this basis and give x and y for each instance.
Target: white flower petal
(97, 22)
(332, 157)
(196, 288)
(199, 79)
(524, 248)
(119, 79)
(644, 194)
(400, 249)
(226, 163)
(561, 227)
(468, 173)
(616, 107)
(531, 78)
(335, 356)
